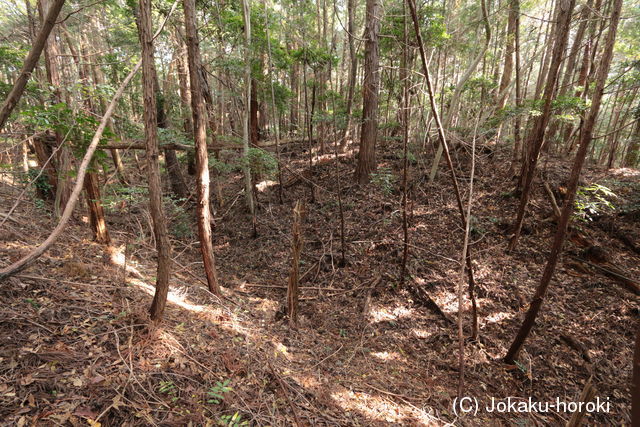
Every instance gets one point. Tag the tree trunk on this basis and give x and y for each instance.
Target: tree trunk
(455, 97)
(96, 211)
(508, 52)
(91, 182)
(63, 154)
(370, 88)
(536, 136)
(254, 126)
(353, 62)
(200, 133)
(176, 179)
(185, 101)
(567, 209)
(248, 182)
(153, 168)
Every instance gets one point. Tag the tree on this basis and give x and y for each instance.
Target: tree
(246, 119)
(370, 87)
(200, 134)
(156, 209)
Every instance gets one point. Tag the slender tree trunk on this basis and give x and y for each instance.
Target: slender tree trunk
(567, 209)
(514, 8)
(254, 125)
(517, 141)
(404, 78)
(370, 88)
(96, 211)
(274, 110)
(149, 79)
(248, 182)
(200, 133)
(536, 136)
(633, 152)
(353, 67)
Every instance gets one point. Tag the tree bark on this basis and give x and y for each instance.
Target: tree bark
(567, 209)
(370, 88)
(63, 154)
(30, 62)
(96, 211)
(248, 182)
(200, 134)
(149, 79)
(176, 179)
(353, 68)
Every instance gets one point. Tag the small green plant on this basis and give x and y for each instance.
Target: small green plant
(384, 179)
(234, 420)
(592, 200)
(216, 393)
(169, 388)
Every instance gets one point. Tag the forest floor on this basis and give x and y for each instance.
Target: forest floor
(78, 347)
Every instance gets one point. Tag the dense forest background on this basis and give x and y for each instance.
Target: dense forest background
(260, 212)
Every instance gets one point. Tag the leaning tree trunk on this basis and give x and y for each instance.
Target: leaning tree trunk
(371, 86)
(536, 137)
(567, 209)
(30, 62)
(153, 168)
(200, 133)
